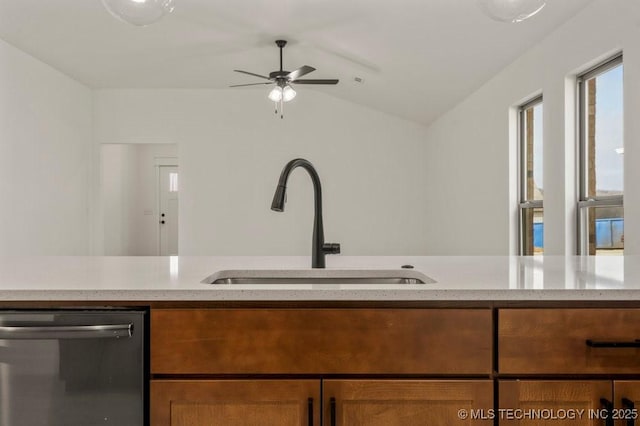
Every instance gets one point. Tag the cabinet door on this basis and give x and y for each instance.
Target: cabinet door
(541, 402)
(235, 402)
(405, 402)
(627, 401)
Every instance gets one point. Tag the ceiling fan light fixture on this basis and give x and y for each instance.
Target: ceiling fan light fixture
(283, 92)
(139, 12)
(276, 94)
(512, 11)
(288, 93)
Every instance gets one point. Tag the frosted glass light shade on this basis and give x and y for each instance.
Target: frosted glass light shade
(139, 12)
(288, 93)
(276, 94)
(511, 10)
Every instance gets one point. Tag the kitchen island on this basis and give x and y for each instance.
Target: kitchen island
(495, 339)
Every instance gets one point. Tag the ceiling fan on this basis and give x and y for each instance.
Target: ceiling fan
(283, 92)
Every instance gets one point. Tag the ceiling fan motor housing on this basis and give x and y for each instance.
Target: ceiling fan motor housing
(274, 75)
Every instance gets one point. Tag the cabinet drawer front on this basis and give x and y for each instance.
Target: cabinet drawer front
(554, 341)
(321, 341)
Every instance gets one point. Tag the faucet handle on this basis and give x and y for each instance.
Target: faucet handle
(331, 248)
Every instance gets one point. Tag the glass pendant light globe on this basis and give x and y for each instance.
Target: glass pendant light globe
(276, 94)
(511, 10)
(139, 12)
(288, 93)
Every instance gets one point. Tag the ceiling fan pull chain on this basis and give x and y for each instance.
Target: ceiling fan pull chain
(281, 108)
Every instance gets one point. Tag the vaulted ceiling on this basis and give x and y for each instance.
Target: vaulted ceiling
(417, 58)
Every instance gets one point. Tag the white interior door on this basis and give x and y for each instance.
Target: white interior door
(168, 210)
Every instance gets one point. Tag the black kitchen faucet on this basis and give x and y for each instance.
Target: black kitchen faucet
(320, 248)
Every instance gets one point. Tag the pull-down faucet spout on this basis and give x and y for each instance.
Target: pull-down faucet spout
(319, 248)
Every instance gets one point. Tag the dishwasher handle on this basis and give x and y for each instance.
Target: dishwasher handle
(107, 331)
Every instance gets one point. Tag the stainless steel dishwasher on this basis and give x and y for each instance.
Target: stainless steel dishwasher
(72, 367)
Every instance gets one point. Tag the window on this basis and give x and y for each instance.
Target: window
(173, 182)
(531, 184)
(601, 168)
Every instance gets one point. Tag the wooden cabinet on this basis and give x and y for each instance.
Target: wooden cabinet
(204, 402)
(574, 402)
(393, 366)
(405, 402)
(556, 341)
(545, 402)
(321, 341)
(235, 402)
(587, 343)
(196, 355)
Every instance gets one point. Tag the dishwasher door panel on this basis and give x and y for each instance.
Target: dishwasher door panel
(72, 368)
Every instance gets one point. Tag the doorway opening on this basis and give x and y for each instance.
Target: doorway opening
(138, 184)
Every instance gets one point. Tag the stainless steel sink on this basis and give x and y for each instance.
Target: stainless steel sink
(319, 276)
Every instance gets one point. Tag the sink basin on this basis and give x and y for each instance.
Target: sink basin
(319, 276)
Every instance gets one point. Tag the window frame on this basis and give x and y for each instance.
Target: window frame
(525, 204)
(585, 202)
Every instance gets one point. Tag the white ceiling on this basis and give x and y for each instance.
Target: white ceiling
(418, 58)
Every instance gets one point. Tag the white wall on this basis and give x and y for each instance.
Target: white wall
(470, 186)
(390, 186)
(128, 189)
(45, 158)
(233, 147)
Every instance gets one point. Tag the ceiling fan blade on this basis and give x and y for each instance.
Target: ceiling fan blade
(253, 74)
(308, 81)
(250, 84)
(303, 70)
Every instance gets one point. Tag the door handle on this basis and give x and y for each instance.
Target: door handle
(608, 406)
(310, 411)
(613, 344)
(106, 331)
(332, 408)
(629, 411)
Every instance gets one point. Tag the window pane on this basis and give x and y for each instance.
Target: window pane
(532, 150)
(173, 182)
(605, 229)
(531, 187)
(602, 160)
(532, 231)
(604, 134)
